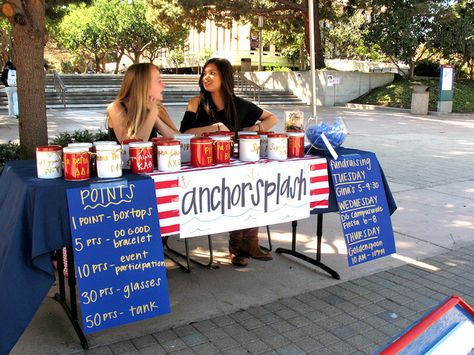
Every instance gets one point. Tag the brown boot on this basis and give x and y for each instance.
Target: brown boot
(250, 245)
(235, 243)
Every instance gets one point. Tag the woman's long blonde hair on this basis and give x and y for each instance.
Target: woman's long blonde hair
(133, 95)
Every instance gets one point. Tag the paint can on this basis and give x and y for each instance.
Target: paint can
(169, 155)
(295, 144)
(141, 157)
(221, 149)
(185, 143)
(155, 141)
(264, 143)
(76, 163)
(249, 147)
(277, 146)
(126, 152)
(108, 160)
(201, 152)
(48, 161)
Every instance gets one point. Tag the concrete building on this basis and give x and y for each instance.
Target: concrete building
(238, 43)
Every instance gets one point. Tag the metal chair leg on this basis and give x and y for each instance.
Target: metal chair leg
(187, 267)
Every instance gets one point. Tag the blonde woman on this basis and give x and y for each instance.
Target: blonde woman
(138, 112)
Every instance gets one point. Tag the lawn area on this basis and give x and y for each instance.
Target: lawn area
(398, 94)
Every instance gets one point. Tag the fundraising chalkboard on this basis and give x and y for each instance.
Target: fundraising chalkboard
(363, 207)
(118, 253)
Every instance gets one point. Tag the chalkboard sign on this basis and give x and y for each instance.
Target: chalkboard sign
(363, 207)
(118, 253)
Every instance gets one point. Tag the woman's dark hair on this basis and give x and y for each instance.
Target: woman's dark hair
(227, 90)
(9, 65)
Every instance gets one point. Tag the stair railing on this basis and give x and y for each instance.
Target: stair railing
(248, 87)
(59, 88)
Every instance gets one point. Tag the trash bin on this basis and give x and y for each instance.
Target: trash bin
(246, 64)
(420, 98)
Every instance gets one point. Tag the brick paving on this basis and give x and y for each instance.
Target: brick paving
(423, 157)
(353, 317)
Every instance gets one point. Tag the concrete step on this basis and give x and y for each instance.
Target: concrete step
(85, 90)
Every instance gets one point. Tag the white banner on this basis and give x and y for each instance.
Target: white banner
(200, 201)
(253, 195)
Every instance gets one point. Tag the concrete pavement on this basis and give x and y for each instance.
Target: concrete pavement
(286, 307)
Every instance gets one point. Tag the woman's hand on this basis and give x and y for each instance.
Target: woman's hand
(152, 106)
(221, 127)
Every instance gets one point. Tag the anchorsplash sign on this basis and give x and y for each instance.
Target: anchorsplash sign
(250, 196)
(197, 202)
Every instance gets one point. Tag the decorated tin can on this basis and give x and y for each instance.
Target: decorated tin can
(126, 152)
(81, 145)
(108, 160)
(201, 152)
(277, 146)
(141, 157)
(90, 148)
(185, 143)
(76, 163)
(97, 143)
(169, 155)
(295, 144)
(48, 161)
(155, 141)
(249, 147)
(264, 143)
(221, 149)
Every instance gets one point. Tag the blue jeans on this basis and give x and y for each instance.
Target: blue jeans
(12, 100)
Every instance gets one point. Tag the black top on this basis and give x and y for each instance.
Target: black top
(5, 77)
(113, 137)
(247, 114)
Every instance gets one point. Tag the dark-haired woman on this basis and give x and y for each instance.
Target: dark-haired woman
(218, 109)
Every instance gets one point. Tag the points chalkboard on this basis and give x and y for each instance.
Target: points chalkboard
(118, 253)
(363, 207)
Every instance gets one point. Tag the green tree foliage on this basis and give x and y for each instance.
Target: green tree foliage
(287, 19)
(454, 37)
(115, 28)
(6, 48)
(343, 37)
(403, 28)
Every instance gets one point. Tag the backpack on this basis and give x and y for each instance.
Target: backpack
(11, 79)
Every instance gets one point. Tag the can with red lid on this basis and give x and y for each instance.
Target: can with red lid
(141, 157)
(108, 160)
(90, 148)
(201, 152)
(126, 152)
(76, 163)
(48, 161)
(264, 143)
(185, 145)
(169, 155)
(295, 143)
(221, 149)
(249, 147)
(277, 146)
(155, 141)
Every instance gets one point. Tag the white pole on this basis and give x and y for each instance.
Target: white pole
(260, 40)
(312, 56)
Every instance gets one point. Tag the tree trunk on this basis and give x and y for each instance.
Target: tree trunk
(318, 49)
(28, 49)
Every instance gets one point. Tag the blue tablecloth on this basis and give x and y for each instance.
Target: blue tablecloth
(341, 151)
(34, 221)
